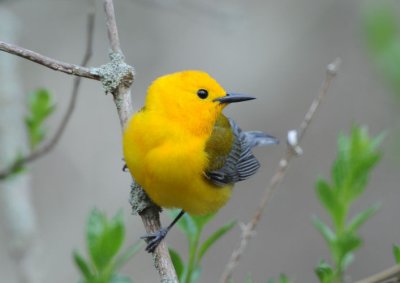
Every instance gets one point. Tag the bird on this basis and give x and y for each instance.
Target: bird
(183, 151)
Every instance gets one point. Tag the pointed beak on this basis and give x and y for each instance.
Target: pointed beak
(233, 97)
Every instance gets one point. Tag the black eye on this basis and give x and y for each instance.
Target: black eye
(202, 93)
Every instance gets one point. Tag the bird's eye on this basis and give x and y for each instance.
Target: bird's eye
(202, 93)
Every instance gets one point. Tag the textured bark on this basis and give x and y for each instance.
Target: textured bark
(124, 75)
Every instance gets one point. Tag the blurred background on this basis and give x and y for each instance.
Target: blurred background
(274, 50)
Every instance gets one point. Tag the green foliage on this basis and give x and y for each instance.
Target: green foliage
(396, 253)
(282, 279)
(192, 227)
(324, 272)
(40, 106)
(357, 156)
(17, 167)
(104, 238)
(383, 40)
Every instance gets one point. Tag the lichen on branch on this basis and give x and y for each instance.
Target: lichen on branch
(115, 73)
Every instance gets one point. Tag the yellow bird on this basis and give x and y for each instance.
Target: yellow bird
(183, 151)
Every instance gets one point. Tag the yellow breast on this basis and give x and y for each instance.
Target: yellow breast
(169, 162)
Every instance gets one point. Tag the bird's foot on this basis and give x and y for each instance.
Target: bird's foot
(125, 168)
(154, 239)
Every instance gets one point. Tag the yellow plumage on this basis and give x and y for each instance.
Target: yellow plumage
(164, 143)
(179, 136)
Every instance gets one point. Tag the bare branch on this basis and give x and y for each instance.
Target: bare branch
(123, 101)
(248, 229)
(390, 275)
(77, 81)
(112, 27)
(67, 68)
(162, 261)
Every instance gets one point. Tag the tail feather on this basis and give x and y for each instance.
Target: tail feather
(257, 138)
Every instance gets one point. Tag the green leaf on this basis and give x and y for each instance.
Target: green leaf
(325, 231)
(128, 254)
(379, 20)
(17, 167)
(201, 220)
(361, 217)
(396, 253)
(324, 272)
(347, 242)
(195, 274)
(347, 260)
(177, 262)
(104, 237)
(357, 155)
(40, 106)
(284, 279)
(339, 167)
(82, 265)
(326, 196)
(215, 237)
(360, 174)
(116, 233)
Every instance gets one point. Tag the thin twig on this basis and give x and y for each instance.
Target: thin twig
(112, 27)
(77, 81)
(48, 62)
(390, 275)
(122, 99)
(248, 230)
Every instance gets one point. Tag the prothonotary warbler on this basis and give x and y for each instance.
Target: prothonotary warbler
(183, 151)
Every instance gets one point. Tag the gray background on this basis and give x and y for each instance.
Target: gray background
(274, 50)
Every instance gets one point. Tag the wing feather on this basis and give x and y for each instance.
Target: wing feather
(240, 163)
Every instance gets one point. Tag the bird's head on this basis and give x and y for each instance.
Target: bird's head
(193, 98)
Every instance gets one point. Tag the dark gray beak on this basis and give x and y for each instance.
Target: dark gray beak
(233, 97)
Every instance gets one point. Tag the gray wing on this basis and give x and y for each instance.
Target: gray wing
(240, 164)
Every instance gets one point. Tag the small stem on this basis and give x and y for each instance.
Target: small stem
(48, 62)
(192, 257)
(46, 148)
(249, 229)
(389, 275)
(112, 29)
(340, 230)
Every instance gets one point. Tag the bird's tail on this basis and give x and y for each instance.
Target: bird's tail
(257, 138)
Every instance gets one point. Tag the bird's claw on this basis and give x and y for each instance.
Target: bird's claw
(154, 239)
(125, 168)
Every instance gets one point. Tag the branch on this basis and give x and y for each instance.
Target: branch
(390, 275)
(67, 68)
(77, 81)
(122, 99)
(117, 78)
(293, 149)
(112, 29)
